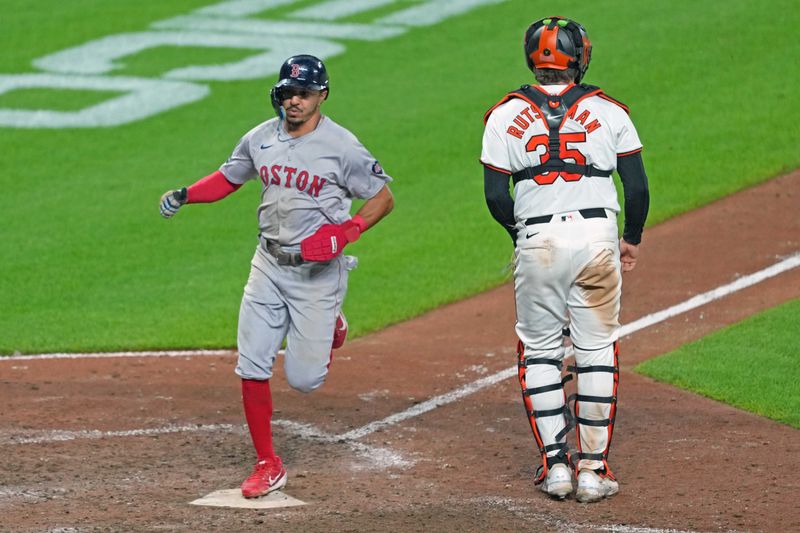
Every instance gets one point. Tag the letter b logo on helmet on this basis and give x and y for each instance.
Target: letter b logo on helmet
(303, 71)
(295, 71)
(558, 43)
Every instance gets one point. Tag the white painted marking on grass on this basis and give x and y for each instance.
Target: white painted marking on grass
(234, 498)
(433, 12)
(140, 99)
(337, 9)
(106, 54)
(285, 30)
(223, 25)
(241, 8)
(646, 321)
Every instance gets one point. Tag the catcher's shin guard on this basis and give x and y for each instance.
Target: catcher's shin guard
(596, 404)
(546, 406)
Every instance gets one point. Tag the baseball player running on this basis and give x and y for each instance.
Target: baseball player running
(310, 169)
(559, 143)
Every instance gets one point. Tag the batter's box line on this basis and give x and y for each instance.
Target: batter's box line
(375, 456)
(379, 457)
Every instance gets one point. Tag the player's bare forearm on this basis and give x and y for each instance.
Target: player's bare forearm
(377, 207)
(628, 255)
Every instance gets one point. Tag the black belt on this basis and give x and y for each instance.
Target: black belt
(283, 258)
(594, 212)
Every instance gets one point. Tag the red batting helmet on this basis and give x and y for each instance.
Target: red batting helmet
(558, 43)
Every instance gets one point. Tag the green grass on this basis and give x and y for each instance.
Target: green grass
(751, 365)
(87, 263)
(154, 62)
(58, 100)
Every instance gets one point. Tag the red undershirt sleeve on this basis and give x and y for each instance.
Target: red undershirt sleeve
(211, 188)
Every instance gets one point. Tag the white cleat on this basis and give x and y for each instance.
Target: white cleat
(593, 488)
(558, 482)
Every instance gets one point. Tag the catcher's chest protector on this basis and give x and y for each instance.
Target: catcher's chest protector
(554, 109)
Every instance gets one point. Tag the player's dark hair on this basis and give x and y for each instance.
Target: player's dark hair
(551, 76)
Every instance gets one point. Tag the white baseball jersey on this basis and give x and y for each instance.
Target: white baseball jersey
(595, 133)
(306, 181)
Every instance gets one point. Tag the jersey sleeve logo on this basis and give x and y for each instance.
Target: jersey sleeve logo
(377, 169)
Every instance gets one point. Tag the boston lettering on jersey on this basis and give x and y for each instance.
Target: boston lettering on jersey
(288, 177)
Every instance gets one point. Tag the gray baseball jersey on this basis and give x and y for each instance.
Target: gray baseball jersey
(306, 181)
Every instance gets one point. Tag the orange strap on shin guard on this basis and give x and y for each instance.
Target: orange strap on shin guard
(563, 455)
(608, 423)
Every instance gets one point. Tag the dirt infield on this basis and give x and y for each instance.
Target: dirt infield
(124, 444)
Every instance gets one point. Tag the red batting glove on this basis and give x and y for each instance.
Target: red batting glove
(330, 239)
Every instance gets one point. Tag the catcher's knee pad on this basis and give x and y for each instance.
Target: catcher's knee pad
(545, 404)
(595, 403)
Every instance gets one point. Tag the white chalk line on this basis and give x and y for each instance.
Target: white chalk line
(646, 321)
(383, 457)
(49, 436)
(111, 355)
(429, 405)
(470, 388)
(555, 522)
(714, 294)
(375, 456)
(632, 529)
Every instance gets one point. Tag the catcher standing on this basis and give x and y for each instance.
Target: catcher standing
(559, 142)
(310, 169)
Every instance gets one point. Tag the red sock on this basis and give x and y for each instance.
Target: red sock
(257, 400)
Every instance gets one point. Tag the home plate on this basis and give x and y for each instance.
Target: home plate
(234, 498)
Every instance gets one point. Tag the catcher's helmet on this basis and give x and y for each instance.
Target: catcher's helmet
(305, 71)
(558, 43)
